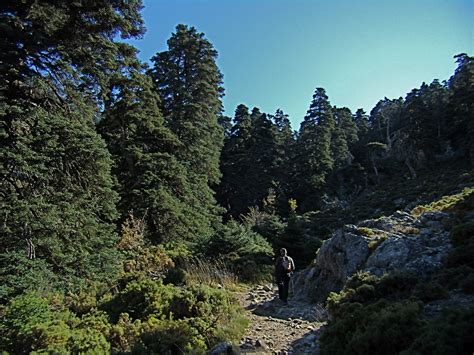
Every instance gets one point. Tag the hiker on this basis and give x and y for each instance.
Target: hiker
(284, 267)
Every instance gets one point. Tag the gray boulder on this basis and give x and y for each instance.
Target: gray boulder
(395, 243)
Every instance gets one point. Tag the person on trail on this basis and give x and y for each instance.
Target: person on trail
(284, 267)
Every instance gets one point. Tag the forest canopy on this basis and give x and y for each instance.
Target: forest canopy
(116, 174)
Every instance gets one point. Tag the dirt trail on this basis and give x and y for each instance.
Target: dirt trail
(278, 328)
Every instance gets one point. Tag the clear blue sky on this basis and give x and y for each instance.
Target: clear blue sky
(274, 53)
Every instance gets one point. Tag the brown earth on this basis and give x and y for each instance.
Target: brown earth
(278, 328)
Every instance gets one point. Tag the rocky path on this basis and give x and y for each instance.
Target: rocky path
(278, 328)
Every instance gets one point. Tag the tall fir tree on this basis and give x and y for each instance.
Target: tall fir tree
(153, 183)
(461, 106)
(424, 109)
(248, 162)
(189, 83)
(262, 159)
(314, 160)
(57, 199)
(385, 119)
(284, 146)
(233, 164)
(343, 135)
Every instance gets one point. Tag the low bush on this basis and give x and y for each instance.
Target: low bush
(462, 235)
(364, 288)
(430, 291)
(452, 278)
(450, 333)
(18, 319)
(365, 231)
(375, 242)
(139, 299)
(143, 317)
(446, 202)
(235, 245)
(461, 256)
(383, 327)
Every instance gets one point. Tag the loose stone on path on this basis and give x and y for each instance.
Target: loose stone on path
(276, 328)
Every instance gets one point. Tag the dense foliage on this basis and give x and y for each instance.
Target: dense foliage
(129, 204)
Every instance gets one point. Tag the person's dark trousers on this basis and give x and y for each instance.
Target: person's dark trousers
(283, 285)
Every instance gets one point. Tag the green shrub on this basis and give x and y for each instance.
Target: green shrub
(51, 337)
(90, 335)
(153, 262)
(28, 324)
(365, 231)
(140, 299)
(430, 291)
(461, 256)
(364, 288)
(19, 274)
(213, 312)
(255, 268)
(164, 318)
(450, 333)
(445, 203)
(175, 276)
(397, 285)
(237, 245)
(375, 242)
(467, 284)
(18, 319)
(124, 336)
(266, 224)
(462, 235)
(360, 278)
(380, 328)
(452, 278)
(82, 301)
(172, 337)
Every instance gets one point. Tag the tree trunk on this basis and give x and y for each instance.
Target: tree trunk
(374, 166)
(410, 167)
(30, 249)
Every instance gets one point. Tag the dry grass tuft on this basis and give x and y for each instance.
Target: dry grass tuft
(209, 272)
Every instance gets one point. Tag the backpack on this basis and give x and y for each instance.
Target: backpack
(286, 264)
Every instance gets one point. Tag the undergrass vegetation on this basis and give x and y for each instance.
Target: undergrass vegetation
(454, 181)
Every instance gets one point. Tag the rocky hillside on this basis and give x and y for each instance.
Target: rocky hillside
(398, 242)
(398, 283)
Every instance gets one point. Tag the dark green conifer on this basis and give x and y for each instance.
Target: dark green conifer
(189, 83)
(461, 106)
(57, 202)
(152, 182)
(314, 160)
(343, 135)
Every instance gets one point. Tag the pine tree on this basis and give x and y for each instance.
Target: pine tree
(343, 135)
(233, 163)
(262, 159)
(152, 182)
(385, 119)
(424, 110)
(248, 162)
(461, 106)
(56, 195)
(313, 159)
(362, 122)
(284, 146)
(188, 82)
